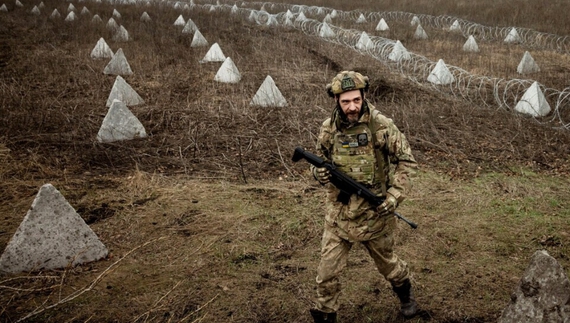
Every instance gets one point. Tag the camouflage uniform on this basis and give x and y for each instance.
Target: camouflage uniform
(382, 160)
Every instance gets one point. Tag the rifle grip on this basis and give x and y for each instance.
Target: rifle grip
(343, 197)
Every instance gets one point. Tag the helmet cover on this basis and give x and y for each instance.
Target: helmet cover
(347, 81)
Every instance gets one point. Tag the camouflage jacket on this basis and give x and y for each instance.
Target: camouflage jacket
(396, 165)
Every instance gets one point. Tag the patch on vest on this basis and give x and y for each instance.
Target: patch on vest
(351, 144)
(362, 139)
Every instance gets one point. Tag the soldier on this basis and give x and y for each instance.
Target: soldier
(368, 147)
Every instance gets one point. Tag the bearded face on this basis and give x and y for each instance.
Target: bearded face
(351, 102)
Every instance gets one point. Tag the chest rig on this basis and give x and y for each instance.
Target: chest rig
(361, 151)
(353, 153)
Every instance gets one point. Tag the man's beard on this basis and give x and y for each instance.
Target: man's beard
(342, 118)
(352, 118)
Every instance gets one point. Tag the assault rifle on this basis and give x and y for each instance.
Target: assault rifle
(344, 183)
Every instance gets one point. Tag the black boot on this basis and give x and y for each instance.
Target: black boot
(409, 307)
(322, 317)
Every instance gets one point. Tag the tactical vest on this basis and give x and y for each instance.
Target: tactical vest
(352, 152)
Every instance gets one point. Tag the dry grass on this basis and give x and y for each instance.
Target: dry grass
(549, 18)
(241, 245)
(248, 253)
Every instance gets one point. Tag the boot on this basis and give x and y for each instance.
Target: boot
(409, 307)
(322, 317)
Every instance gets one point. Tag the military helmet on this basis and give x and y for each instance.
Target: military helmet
(347, 81)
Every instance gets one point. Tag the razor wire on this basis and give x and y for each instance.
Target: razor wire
(488, 91)
(527, 37)
(483, 90)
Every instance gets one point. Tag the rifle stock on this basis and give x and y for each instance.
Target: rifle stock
(344, 183)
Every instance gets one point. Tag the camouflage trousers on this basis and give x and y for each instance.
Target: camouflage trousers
(334, 255)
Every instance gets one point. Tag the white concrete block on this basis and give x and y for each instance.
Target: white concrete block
(52, 235)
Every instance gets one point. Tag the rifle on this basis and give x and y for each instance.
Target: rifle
(344, 183)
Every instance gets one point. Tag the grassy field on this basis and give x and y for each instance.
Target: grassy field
(187, 250)
(208, 219)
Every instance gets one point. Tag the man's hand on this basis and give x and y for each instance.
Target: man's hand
(389, 206)
(322, 175)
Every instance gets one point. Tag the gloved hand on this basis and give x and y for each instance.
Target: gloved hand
(322, 175)
(389, 206)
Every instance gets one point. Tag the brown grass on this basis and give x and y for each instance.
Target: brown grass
(241, 221)
(520, 13)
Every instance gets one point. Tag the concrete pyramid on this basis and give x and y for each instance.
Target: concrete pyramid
(334, 13)
(145, 17)
(198, 40)
(361, 19)
(228, 72)
(36, 11)
(234, 9)
(415, 21)
(71, 8)
(112, 24)
(513, 37)
(288, 22)
(382, 25)
(85, 11)
(52, 235)
(177, 5)
(96, 19)
(533, 102)
(289, 14)
(252, 16)
(440, 74)
(179, 21)
(364, 42)
(470, 45)
(327, 18)
(301, 17)
(326, 31)
(71, 16)
(19, 4)
(101, 50)
(541, 294)
(116, 14)
(214, 54)
(118, 65)
(399, 52)
(272, 21)
(123, 92)
(190, 27)
(268, 95)
(455, 27)
(121, 35)
(3, 8)
(120, 124)
(55, 14)
(41, 5)
(527, 65)
(420, 33)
